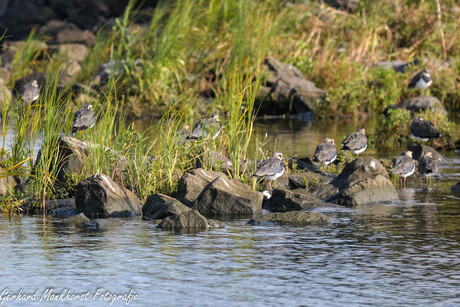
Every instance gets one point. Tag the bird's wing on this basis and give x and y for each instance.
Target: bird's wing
(269, 167)
(414, 80)
(324, 152)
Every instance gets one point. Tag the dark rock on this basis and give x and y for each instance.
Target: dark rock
(456, 188)
(323, 190)
(398, 66)
(293, 218)
(189, 220)
(362, 181)
(190, 185)
(305, 164)
(104, 224)
(286, 90)
(283, 200)
(77, 219)
(419, 150)
(418, 104)
(159, 206)
(99, 196)
(229, 198)
(62, 207)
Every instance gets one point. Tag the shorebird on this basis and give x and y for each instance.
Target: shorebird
(422, 80)
(271, 168)
(326, 152)
(30, 92)
(404, 166)
(183, 134)
(84, 118)
(207, 126)
(355, 142)
(423, 130)
(427, 166)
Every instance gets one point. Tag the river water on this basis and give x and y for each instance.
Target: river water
(404, 253)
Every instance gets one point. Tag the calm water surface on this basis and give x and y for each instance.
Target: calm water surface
(404, 253)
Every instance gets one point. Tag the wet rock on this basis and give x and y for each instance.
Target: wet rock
(189, 220)
(419, 150)
(78, 219)
(229, 198)
(104, 224)
(99, 196)
(190, 185)
(456, 188)
(286, 90)
(293, 218)
(283, 200)
(323, 190)
(75, 52)
(62, 32)
(417, 104)
(362, 181)
(159, 206)
(62, 207)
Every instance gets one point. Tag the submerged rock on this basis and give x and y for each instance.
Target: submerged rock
(159, 206)
(417, 104)
(100, 197)
(283, 200)
(62, 207)
(293, 218)
(78, 219)
(189, 220)
(286, 90)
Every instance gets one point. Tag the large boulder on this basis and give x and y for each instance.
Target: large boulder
(190, 220)
(159, 206)
(417, 104)
(362, 181)
(293, 218)
(99, 196)
(323, 190)
(283, 200)
(225, 197)
(62, 32)
(286, 91)
(191, 184)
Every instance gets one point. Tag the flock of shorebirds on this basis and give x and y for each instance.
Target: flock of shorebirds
(356, 142)
(274, 167)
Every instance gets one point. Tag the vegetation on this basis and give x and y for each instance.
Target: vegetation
(193, 50)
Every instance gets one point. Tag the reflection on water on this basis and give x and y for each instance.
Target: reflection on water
(396, 253)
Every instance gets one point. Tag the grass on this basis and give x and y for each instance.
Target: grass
(217, 47)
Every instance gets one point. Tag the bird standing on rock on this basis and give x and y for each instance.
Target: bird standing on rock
(422, 80)
(355, 142)
(207, 126)
(271, 168)
(423, 130)
(84, 118)
(428, 166)
(326, 152)
(404, 166)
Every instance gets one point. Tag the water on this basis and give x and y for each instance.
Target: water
(403, 253)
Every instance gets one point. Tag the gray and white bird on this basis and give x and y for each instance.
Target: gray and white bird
(84, 118)
(404, 166)
(207, 126)
(422, 80)
(423, 130)
(355, 142)
(30, 92)
(183, 134)
(427, 166)
(326, 152)
(271, 168)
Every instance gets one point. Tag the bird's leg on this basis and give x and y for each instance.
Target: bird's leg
(269, 185)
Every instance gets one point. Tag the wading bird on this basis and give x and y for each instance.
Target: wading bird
(427, 166)
(404, 166)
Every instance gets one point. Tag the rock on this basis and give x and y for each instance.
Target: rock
(419, 150)
(305, 179)
(305, 164)
(417, 104)
(346, 5)
(62, 32)
(362, 181)
(99, 196)
(61, 207)
(323, 190)
(77, 219)
(189, 220)
(159, 206)
(293, 218)
(286, 91)
(190, 185)
(398, 66)
(229, 198)
(104, 224)
(284, 200)
(4, 74)
(456, 188)
(7, 184)
(75, 52)
(70, 71)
